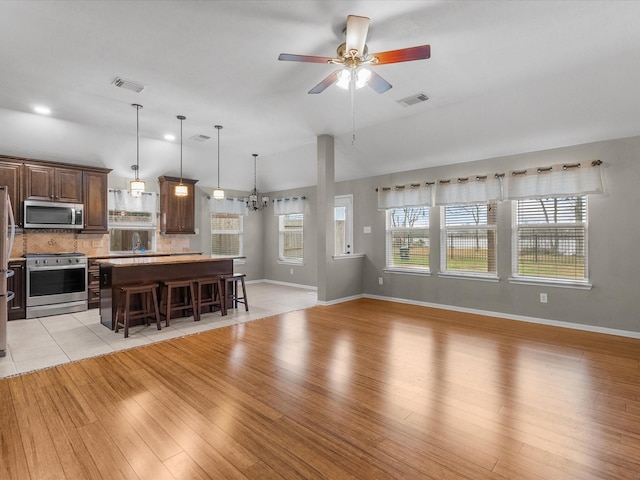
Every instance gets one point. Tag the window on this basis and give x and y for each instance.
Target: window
(407, 242)
(550, 238)
(132, 221)
(126, 240)
(343, 226)
(227, 237)
(291, 237)
(469, 239)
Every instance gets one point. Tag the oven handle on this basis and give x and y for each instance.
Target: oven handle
(38, 268)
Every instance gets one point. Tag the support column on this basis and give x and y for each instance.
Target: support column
(326, 195)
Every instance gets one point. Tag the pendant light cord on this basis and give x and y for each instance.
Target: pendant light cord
(352, 88)
(218, 127)
(255, 175)
(137, 142)
(181, 119)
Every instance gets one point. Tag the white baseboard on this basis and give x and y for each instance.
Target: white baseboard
(286, 284)
(341, 300)
(520, 318)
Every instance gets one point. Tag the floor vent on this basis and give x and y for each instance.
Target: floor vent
(128, 85)
(413, 99)
(200, 138)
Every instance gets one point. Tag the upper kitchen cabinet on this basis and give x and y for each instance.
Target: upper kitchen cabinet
(11, 176)
(54, 184)
(95, 201)
(177, 214)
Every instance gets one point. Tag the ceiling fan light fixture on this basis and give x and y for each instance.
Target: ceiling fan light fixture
(362, 76)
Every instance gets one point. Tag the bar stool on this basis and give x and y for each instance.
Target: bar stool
(231, 290)
(148, 306)
(210, 294)
(178, 295)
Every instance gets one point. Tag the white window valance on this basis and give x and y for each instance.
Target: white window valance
(122, 200)
(558, 180)
(411, 195)
(467, 190)
(287, 206)
(228, 206)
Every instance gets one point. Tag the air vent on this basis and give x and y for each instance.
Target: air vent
(413, 99)
(200, 138)
(128, 85)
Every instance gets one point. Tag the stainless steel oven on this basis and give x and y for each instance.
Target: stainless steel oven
(56, 284)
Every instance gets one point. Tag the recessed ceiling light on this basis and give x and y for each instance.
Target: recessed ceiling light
(169, 137)
(42, 110)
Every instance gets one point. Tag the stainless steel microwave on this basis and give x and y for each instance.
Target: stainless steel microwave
(38, 214)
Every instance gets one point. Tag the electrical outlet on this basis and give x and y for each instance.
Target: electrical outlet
(543, 298)
(379, 280)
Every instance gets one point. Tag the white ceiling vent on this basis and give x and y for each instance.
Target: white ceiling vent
(413, 99)
(200, 138)
(128, 85)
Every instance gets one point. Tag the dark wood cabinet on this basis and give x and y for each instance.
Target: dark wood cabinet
(11, 176)
(55, 184)
(93, 284)
(16, 284)
(95, 202)
(177, 214)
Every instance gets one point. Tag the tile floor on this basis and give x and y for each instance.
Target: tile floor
(48, 341)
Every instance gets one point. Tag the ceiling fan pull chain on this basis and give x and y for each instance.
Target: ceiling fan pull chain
(352, 88)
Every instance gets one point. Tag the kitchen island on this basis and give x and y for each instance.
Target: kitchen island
(116, 272)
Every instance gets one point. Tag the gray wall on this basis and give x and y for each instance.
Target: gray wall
(614, 258)
(305, 274)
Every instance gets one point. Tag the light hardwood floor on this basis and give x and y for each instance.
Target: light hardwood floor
(361, 390)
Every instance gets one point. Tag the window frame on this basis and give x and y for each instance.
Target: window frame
(281, 237)
(422, 269)
(547, 280)
(486, 227)
(346, 202)
(239, 232)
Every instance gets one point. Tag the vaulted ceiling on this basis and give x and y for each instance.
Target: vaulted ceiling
(504, 77)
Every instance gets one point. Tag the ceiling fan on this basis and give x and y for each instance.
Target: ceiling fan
(353, 56)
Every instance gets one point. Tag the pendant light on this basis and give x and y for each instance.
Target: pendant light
(218, 193)
(181, 189)
(137, 186)
(252, 201)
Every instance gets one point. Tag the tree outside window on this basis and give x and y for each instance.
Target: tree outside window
(408, 238)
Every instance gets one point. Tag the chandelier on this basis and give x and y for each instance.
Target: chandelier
(252, 201)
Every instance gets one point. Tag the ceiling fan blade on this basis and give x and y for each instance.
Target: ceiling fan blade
(421, 52)
(378, 83)
(288, 57)
(357, 28)
(324, 84)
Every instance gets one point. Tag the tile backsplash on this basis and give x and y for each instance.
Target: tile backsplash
(57, 241)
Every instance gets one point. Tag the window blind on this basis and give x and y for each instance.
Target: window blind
(551, 238)
(227, 235)
(407, 238)
(470, 237)
(291, 237)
